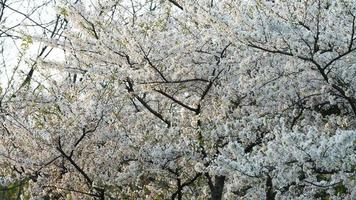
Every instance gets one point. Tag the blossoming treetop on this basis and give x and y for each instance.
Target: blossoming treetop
(189, 100)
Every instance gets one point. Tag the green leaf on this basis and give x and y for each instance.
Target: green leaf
(340, 189)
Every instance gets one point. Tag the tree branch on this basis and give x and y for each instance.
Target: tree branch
(176, 4)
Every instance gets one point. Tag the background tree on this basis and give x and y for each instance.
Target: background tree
(19, 21)
(189, 99)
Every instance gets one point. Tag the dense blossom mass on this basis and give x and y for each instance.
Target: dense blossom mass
(185, 99)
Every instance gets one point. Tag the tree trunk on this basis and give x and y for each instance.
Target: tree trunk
(218, 187)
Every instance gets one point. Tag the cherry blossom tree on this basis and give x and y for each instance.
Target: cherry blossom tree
(19, 20)
(189, 100)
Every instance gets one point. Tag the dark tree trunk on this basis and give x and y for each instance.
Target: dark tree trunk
(270, 194)
(217, 188)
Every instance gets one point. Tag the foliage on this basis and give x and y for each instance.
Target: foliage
(187, 99)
